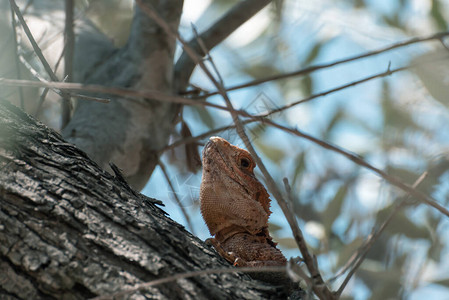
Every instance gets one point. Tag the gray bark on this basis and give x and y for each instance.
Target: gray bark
(70, 230)
(128, 133)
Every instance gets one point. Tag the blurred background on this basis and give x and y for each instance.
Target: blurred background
(398, 123)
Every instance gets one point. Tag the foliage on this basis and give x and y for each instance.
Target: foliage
(396, 123)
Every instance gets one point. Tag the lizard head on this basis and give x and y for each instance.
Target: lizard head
(238, 160)
(232, 199)
(234, 162)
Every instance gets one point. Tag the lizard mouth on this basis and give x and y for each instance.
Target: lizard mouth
(218, 145)
(214, 142)
(207, 147)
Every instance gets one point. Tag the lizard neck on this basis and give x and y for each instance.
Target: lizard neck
(228, 232)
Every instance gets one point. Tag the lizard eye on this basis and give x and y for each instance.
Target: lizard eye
(245, 162)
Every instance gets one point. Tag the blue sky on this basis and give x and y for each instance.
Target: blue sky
(344, 34)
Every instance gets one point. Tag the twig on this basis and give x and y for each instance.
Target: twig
(385, 73)
(444, 44)
(16, 49)
(308, 259)
(363, 251)
(47, 85)
(319, 287)
(40, 104)
(118, 91)
(181, 207)
(219, 31)
(202, 136)
(388, 72)
(308, 70)
(206, 52)
(176, 99)
(69, 45)
(175, 277)
(156, 95)
(35, 46)
(358, 160)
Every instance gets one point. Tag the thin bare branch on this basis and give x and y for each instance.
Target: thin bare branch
(363, 251)
(438, 36)
(16, 49)
(219, 31)
(130, 93)
(176, 99)
(202, 136)
(35, 46)
(175, 195)
(179, 276)
(118, 91)
(386, 73)
(360, 161)
(69, 46)
(319, 287)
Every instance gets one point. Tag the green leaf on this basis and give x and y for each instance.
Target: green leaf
(275, 154)
(401, 224)
(273, 227)
(299, 167)
(313, 53)
(307, 85)
(333, 209)
(306, 211)
(394, 115)
(204, 116)
(348, 250)
(393, 21)
(288, 243)
(260, 70)
(383, 283)
(337, 117)
(437, 16)
(256, 130)
(444, 282)
(432, 68)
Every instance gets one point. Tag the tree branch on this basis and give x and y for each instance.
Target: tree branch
(308, 70)
(69, 46)
(16, 49)
(360, 256)
(35, 46)
(215, 34)
(318, 287)
(163, 97)
(146, 285)
(39, 54)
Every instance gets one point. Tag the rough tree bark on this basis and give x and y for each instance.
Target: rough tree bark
(70, 230)
(129, 133)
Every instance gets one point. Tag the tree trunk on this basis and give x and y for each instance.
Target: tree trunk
(128, 133)
(70, 230)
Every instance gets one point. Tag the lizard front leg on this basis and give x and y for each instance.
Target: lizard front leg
(229, 256)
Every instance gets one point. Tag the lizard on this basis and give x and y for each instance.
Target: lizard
(236, 206)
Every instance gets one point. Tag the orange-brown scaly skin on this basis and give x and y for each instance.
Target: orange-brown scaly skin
(236, 206)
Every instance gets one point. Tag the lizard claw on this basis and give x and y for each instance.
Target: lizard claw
(238, 262)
